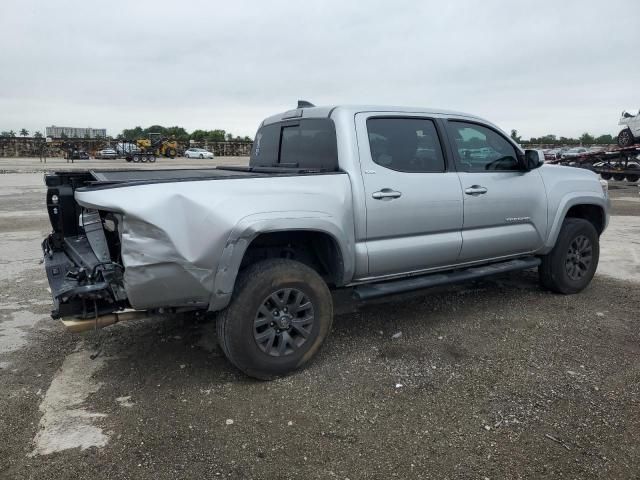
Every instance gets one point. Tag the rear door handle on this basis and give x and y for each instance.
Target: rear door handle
(475, 190)
(386, 193)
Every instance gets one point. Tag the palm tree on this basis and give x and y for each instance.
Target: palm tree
(12, 133)
(24, 132)
(37, 135)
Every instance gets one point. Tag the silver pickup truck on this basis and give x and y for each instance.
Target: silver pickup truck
(379, 200)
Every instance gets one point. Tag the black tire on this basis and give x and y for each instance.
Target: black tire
(152, 158)
(625, 138)
(171, 153)
(632, 177)
(239, 325)
(136, 158)
(606, 176)
(201, 156)
(618, 176)
(556, 272)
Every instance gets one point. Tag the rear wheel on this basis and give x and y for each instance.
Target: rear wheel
(633, 177)
(618, 176)
(280, 313)
(136, 158)
(152, 158)
(606, 175)
(570, 266)
(201, 156)
(625, 138)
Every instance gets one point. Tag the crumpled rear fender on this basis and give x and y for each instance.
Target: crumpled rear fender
(251, 226)
(182, 242)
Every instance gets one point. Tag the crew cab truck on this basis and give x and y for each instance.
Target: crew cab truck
(380, 200)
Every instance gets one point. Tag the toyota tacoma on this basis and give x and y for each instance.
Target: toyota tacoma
(377, 200)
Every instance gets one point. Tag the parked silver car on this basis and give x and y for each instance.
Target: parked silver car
(377, 200)
(106, 153)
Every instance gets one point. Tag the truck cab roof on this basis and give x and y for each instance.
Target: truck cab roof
(329, 110)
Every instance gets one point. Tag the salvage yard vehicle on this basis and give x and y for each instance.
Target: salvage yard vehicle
(197, 153)
(376, 200)
(631, 133)
(574, 152)
(106, 153)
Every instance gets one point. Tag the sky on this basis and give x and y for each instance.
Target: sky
(535, 66)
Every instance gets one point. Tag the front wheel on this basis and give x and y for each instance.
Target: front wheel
(625, 138)
(280, 313)
(572, 263)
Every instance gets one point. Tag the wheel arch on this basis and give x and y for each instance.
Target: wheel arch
(588, 207)
(315, 241)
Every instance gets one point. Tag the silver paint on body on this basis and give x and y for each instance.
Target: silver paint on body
(183, 242)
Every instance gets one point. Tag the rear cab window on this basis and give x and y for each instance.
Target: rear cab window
(301, 143)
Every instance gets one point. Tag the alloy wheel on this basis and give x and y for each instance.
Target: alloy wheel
(284, 322)
(579, 257)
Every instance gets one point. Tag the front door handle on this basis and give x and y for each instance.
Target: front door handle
(475, 190)
(386, 194)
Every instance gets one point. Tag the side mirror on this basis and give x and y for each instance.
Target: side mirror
(533, 159)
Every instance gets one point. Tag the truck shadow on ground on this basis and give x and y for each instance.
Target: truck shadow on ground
(177, 348)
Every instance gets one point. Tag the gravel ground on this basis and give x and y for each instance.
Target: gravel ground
(492, 379)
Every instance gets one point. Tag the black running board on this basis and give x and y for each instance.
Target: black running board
(391, 287)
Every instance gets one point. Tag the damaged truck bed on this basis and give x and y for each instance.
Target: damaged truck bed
(90, 273)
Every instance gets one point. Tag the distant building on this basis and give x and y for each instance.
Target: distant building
(72, 132)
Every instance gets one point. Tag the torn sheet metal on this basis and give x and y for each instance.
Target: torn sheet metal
(182, 242)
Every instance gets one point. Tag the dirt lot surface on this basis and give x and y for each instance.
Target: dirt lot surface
(494, 379)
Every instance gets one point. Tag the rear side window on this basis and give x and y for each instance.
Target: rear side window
(405, 144)
(306, 144)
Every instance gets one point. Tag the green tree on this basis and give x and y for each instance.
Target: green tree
(12, 133)
(216, 135)
(568, 141)
(133, 133)
(585, 139)
(515, 137)
(24, 132)
(199, 135)
(64, 136)
(178, 133)
(605, 139)
(37, 134)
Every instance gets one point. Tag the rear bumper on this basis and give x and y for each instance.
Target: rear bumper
(81, 286)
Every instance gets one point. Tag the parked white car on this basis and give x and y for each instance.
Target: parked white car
(198, 153)
(630, 134)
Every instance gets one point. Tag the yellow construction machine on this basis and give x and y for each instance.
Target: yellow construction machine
(153, 146)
